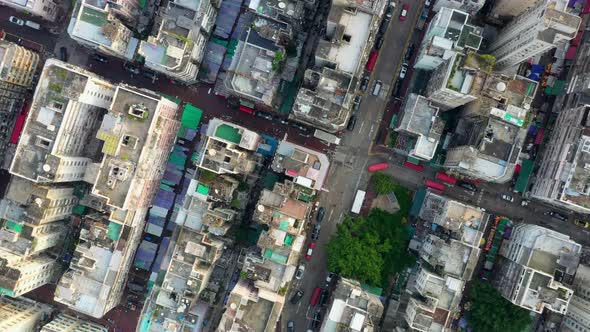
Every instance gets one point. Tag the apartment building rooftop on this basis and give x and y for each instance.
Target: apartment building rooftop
(449, 257)
(420, 118)
(65, 94)
(283, 10)
(94, 23)
(467, 223)
(576, 189)
(307, 167)
(64, 322)
(229, 148)
(97, 260)
(352, 307)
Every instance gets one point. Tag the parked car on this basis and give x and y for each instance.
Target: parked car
(300, 271)
(507, 198)
(33, 25)
(100, 58)
(317, 320)
(351, 123)
(315, 234)
(467, 185)
(321, 213)
(409, 52)
(389, 12)
(297, 297)
(365, 83)
(377, 87)
(403, 71)
(396, 90)
(384, 25)
(524, 202)
(285, 122)
(404, 13)
(63, 54)
(324, 298)
(290, 326)
(379, 42)
(131, 69)
(392, 4)
(309, 252)
(582, 223)
(330, 279)
(16, 20)
(264, 115)
(556, 215)
(150, 75)
(357, 103)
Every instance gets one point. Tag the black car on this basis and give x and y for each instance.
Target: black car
(100, 58)
(389, 12)
(320, 216)
(357, 103)
(290, 326)
(131, 69)
(317, 320)
(467, 185)
(315, 234)
(324, 298)
(63, 54)
(379, 42)
(351, 123)
(150, 75)
(365, 83)
(383, 26)
(409, 52)
(556, 215)
(297, 297)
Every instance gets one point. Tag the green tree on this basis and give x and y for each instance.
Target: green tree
(370, 249)
(383, 184)
(490, 312)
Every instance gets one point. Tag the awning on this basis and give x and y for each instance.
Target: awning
(540, 136)
(19, 124)
(246, 109)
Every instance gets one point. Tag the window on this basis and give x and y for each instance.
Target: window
(129, 141)
(347, 38)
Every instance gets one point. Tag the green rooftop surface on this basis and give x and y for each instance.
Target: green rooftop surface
(14, 226)
(372, 289)
(288, 240)
(114, 231)
(93, 16)
(203, 189)
(177, 159)
(79, 210)
(191, 116)
(228, 133)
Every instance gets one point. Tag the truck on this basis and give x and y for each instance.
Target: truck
(358, 201)
(33, 25)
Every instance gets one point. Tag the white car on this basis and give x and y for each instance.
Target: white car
(299, 273)
(508, 198)
(16, 20)
(403, 71)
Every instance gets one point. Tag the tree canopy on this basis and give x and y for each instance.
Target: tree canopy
(382, 183)
(490, 312)
(370, 249)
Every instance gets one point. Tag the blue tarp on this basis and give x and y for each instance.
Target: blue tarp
(146, 253)
(161, 253)
(533, 130)
(536, 71)
(228, 12)
(269, 147)
(164, 199)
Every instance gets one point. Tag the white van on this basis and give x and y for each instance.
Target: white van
(33, 25)
(377, 88)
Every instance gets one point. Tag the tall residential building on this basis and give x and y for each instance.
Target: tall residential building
(538, 29)
(577, 318)
(326, 97)
(45, 9)
(352, 308)
(177, 47)
(137, 133)
(511, 8)
(562, 178)
(22, 315)
(17, 68)
(537, 268)
(449, 31)
(57, 142)
(469, 6)
(229, 148)
(99, 25)
(67, 323)
(420, 119)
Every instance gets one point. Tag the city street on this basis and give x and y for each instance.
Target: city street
(349, 163)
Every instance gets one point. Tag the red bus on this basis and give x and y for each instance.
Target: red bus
(435, 185)
(446, 178)
(372, 60)
(378, 167)
(415, 167)
(246, 109)
(315, 296)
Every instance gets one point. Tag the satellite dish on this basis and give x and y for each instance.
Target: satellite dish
(38, 201)
(212, 152)
(46, 168)
(260, 208)
(232, 306)
(282, 5)
(501, 86)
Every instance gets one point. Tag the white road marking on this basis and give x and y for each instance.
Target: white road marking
(331, 212)
(209, 92)
(340, 218)
(298, 306)
(372, 128)
(361, 128)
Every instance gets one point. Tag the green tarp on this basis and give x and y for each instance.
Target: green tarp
(79, 210)
(14, 226)
(413, 160)
(372, 289)
(523, 178)
(288, 240)
(191, 116)
(177, 159)
(203, 189)
(228, 133)
(114, 231)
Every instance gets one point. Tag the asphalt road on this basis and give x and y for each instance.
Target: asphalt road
(349, 164)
